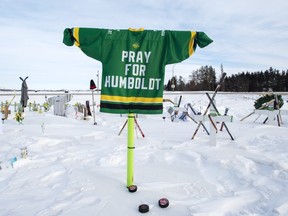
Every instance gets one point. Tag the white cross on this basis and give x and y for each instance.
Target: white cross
(271, 114)
(212, 118)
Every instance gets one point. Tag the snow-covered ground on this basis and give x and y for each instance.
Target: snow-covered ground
(77, 168)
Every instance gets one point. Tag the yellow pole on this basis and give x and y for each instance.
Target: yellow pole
(130, 150)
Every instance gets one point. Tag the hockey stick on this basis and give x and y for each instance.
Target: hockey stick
(92, 87)
(168, 100)
(189, 105)
(137, 125)
(213, 123)
(278, 120)
(206, 111)
(211, 101)
(11, 100)
(179, 102)
(262, 107)
(225, 113)
(122, 127)
(93, 105)
(247, 116)
(256, 118)
(139, 128)
(191, 118)
(279, 117)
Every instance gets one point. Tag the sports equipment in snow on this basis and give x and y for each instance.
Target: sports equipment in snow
(24, 93)
(213, 97)
(88, 108)
(143, 208)
(92, 87)
(132, 188)
(212, 103)
(264, 106)
(134, 63)
(163, 202)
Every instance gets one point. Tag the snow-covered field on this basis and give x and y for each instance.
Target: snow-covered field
(77, 168)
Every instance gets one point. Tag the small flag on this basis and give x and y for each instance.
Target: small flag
(92, 84)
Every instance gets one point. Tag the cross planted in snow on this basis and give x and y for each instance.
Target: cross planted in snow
(5, 112)
(213, 117)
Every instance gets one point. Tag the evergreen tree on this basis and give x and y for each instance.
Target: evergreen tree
(204, 79)
(181, 84)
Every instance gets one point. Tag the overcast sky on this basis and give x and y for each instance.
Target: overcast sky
(249, 35)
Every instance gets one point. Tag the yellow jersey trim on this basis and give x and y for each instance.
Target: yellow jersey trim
(191, 43)
(76, 36)
(136, 30)
(131, 99)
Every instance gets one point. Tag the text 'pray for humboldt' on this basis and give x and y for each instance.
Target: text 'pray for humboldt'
(134, 76)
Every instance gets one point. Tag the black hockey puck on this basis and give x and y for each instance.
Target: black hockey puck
(143, 208)
(163, 203)
(132, 188)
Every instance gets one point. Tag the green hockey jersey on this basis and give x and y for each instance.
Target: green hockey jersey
(133, 63)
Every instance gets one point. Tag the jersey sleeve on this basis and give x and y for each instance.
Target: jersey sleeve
(89, 40)
(182, 44)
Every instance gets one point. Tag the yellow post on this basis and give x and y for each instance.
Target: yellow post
(130, 150)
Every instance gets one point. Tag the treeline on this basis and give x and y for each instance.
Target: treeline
(204, 79)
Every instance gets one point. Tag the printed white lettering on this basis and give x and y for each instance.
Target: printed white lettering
(139, 57)
(124, 55)
(123, 82)
(137, 83)
(143, 84)
(114, 82)
(147, 56)
(135, 73)
(151, 84)
(127, 69)
(142, 70)
(131, 56)
(130, 82)
(135, 70)
(157, 83)
(107, 81)
(136, 57)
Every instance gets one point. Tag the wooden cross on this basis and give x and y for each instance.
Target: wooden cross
(5, 112)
